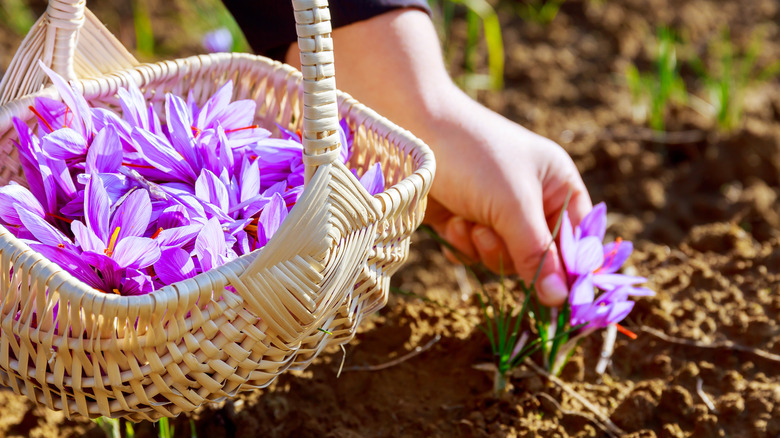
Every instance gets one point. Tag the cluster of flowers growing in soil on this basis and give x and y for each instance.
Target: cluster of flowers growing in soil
(128, 204)
(598, 298)
(598, 294)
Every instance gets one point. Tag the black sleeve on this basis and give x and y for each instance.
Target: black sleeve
(269, 25)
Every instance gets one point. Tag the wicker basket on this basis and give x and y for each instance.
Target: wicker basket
(237, 327)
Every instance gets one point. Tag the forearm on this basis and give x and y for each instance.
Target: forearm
(393, 64)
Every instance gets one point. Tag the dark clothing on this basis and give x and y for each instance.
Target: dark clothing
(269, 25)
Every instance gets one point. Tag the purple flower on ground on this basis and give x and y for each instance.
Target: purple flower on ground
(591, 265)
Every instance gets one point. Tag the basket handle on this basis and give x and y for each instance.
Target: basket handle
(320, 110)
(66, 18)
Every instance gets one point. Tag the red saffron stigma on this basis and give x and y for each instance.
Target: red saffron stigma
(59, 217)
(610, 257)
(138, 166)
(37, 114)
(60, 245)
(626, 331)
(241, 129)
(157, 233)
(195, 130)
(65, 123)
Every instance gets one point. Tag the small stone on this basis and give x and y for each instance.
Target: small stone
(687, 374)
(734, 381)
(731, 405)
(676, 399)
(707, 426)
(672, 430)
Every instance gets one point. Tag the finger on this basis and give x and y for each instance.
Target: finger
(458, 233)
(491, 250)
(436, 215)
(551, 287)
(530, 244)
(580, 203)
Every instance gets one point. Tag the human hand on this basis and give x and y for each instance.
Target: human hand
(497, 197)
(499, 188)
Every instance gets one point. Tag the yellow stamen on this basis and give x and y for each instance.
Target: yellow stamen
(112, 242)
(116, 291)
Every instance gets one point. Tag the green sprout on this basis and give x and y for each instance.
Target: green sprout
(538, 11)
(481, 18)
(503, 320)
(727, 76)
(166, 428)
(110, 426)
(652, 92)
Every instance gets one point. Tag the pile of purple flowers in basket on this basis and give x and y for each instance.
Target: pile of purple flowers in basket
(128, 204)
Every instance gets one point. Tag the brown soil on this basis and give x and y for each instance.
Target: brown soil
(706, 222)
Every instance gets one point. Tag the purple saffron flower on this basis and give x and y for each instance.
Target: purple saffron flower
(99, 272)
(591, 265)
(609, 308)
(116, 236)
(585, 255)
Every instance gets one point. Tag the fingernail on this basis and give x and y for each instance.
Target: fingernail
(553, 290)
(485, 238)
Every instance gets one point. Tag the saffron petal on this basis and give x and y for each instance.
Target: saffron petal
(40, 229)
(96, 208)
(136, 252)
(132, 216)
(174, 265)
(589, 255)
(86, 238)
(105, 152)
(14, 196)
(595, 222)
(582, 291)
(615, 254)
(373, 180)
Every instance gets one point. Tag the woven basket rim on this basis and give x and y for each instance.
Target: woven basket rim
(119, 78)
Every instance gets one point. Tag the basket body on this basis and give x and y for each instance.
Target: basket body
(234, 328)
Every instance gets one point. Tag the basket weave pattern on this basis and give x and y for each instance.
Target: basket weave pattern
(239, 326)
